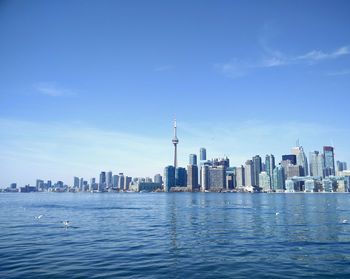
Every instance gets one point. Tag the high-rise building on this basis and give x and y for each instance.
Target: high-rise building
(249, 173)
(175, 141)
(158, 179)
(270, 164)
(202, 154)
(341, 166)
(127, 181)
(102, 178)
(316, 164)
(180, 177)
(221, 162)
(240, 180)
(169, 178)
(217, 178)
(192, 177)
(204, 178)
(257, 169)
(293, 170)
(115, 181)
(109, 179)
(265, 181)
(121, 181)
(76, 182)
(81, 184)
(298, 151)
(290, 157)
(278, 179)
(193, 159)
(329, 166)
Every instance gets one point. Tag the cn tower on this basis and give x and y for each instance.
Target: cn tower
(175, 142)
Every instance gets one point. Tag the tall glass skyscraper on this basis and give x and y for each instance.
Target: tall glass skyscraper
(180, 177)
(203, 154)
(193, 159)
(278, 179)
(329, 166)
(257, 169)
(169, 178)
(298, 151)
(316, 164)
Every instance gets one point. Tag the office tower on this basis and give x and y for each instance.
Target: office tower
(175, 142)
(76, 182)
(49, 184)
(180, 177)
(202, 154)
(257, 169)
(169, 178)
(265, 181)
(121, 181)
(109, 179)
(204, 178)
(290, 157)
(249, 173)
(240, 179)
(192, 177)
(298, 151)
(293, 170)
(316, 164)
(102, 178)
(217, 178)
(221, 162)
(81, 184)
(158, 179)
(270, 164)
(115, 180)
(127, 181)
(278, 179)
(341, 166)
(328, 153)
(230, 181)
(193, 159)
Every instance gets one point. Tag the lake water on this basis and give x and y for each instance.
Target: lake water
(174, 235)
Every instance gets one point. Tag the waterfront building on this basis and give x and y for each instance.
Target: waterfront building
(329, 166)
(316, 164)
(109, 179)
(193, 159)
(158, 179)
(278, 179)
(221, 162)
(139, 186)
(204, 178)
(240, 176)
(341, 166)
(217, 178)
(270, 164)
(169, 178)
(265, 181)
(249, 173)
(127, 181)
(327, 185)
(180, 177)
(76, 182)
(293, 170)
(192, 177)
(102, 180)
(115, 181)
(121, 181)
(257, 169)
(310, 185)
(290, 186)
(342, 185)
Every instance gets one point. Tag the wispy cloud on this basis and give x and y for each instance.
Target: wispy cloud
(237, 68)
(163, 68)
(339, 73)
(51, 89)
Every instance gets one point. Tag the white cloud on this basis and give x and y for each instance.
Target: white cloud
(52, 90)
(317, 55)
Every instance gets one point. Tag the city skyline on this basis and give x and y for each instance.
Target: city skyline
(98, 93)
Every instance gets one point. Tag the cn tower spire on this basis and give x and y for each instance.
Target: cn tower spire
(175, 142)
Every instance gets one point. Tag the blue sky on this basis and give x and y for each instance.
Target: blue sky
(94, 85)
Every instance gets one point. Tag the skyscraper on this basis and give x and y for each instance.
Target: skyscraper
(270, 164)
(180, 177)
(76, 182)
(202, 154)
(257, 169)
(298, 151)
(217, 178)
(193, 159)
(115, 181)
(240, 181)
(316, 164)
(249, 173)
(158, 179)
(278, 179)
(265, 181)
(109, 179)
(329, 166)
(204, 178)
(192, 177)
(121, 181)
(175, 142)
(169, 178)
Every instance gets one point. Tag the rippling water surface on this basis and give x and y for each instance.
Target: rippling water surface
(174, 235)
